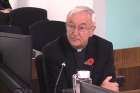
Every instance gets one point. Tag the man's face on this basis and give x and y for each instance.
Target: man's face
(80, 27)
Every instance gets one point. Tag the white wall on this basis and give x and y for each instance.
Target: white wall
(100, 9)
(58, 9)
(18, 3)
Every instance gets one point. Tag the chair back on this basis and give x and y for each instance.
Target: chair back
(45, 31)
(4, 18)
(25, 16)
(10, 29)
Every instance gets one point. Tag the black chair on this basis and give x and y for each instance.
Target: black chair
(10, 29)
(4, 18)
(25, 16)
(42, 33)
(45, 31)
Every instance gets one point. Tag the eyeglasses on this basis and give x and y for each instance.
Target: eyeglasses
(80, 28)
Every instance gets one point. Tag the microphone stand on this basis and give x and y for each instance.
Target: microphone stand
(57, 81)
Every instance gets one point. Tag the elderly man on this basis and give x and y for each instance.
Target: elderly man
(80, 49)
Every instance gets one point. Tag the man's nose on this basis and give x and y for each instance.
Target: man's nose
(76, 31)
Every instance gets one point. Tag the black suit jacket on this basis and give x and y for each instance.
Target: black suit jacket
(60, 51)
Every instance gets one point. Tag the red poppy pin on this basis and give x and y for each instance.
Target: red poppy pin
(89, 61)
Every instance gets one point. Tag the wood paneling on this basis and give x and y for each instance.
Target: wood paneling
(132, 91)
(127, 63)
(132, 78)
(125, 58)
(34, 71)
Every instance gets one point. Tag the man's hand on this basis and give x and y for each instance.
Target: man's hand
(8, 10)
(110, 85)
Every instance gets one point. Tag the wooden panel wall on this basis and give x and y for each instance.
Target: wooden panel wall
(125, 58)
(127, 62)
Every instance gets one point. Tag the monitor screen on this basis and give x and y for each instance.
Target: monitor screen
(15, 51)
(90, 88)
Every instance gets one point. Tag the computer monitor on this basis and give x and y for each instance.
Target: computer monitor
(16, 57)
(90, 88)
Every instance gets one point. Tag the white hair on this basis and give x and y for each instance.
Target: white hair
(82, 9)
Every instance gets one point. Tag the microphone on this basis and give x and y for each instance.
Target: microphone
(59, 75)
(63, 64)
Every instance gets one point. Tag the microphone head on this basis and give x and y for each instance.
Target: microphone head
(63, 64)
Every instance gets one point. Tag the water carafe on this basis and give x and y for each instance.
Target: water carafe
(80, 76)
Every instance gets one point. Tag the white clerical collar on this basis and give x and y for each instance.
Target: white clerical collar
(79, 50)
